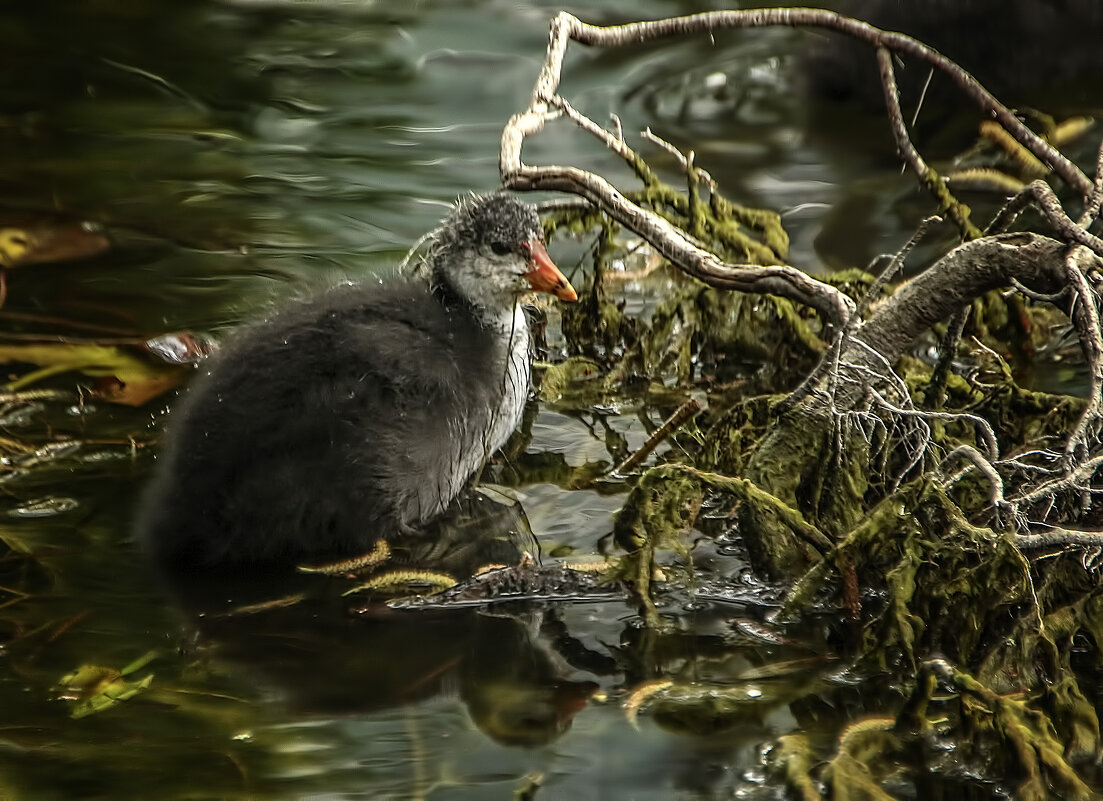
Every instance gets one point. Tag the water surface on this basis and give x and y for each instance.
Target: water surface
(244, 154)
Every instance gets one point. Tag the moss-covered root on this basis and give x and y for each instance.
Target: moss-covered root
(1012, 737)
(662, 506)
(943, 585)
(1074, 717)
(1005, 736)
(850, 775)
(667, 499)
(801, 463)
(791, 761)
(866, 749)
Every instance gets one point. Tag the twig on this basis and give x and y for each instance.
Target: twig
(614, 142)
(1041, 297)
(1085, 318)
(674, 245)
(995, 496)
(864, 350)
(965, 273)
(947, 350)
(1095, 200)
(1076, 478)
(1059, 536)
(829, 362)
(1039, 195)
(157, 80)
(669, 241)
(922, 97)
(983, 427)
(907, 151)
(669, 426)
(683, 162)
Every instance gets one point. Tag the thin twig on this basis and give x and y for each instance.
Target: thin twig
(829, 362)
(1095, 200)
(669, 426)
(986, 468)
(982, 425)
(1041, 297)
(947, 350)
(683, 162)
(1076, 478)
(1059, 536)
(958, 212)
(1086, 321)
(1039, 195)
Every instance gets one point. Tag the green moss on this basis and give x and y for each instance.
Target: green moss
(901, 573)
(791, 761)
(668, 498)
(1030, 747)
(957, 211)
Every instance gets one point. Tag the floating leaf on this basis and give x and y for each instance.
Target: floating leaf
(43, 240)
(129, 373)
(95, 688)
(136, 393)
(44, 507)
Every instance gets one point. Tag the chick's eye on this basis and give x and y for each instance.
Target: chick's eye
(500, 248)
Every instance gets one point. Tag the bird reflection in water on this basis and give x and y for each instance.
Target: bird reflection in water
(520, 683)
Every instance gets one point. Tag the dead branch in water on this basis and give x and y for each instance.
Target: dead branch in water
(852, 485)
(867, 339)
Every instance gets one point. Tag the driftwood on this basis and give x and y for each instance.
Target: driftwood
(867, 341)
(852, 491)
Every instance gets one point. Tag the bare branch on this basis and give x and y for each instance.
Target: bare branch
(1039, 195)
(1077, 478)
(895, 264)
(861, 357)
(985, 430)
(613, 141)
(947, 347)
(1041, 297)
(984, 466)
(655, 139)
(1095, 199)
(907, 151)
(1085, 316)
(680, 248)
(669, 426)
(965, 273)
(675, 245)
(1059, 536)
(829, 362)
(566, 27)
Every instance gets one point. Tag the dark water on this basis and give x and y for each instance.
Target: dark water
(242, 154)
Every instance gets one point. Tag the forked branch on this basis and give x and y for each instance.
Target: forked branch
(865, 347)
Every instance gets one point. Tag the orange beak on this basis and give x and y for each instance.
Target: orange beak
(545, 276)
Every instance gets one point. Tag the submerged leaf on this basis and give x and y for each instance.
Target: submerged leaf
(44, 507)
(95, 688)
(126, 373)
(43, 241)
